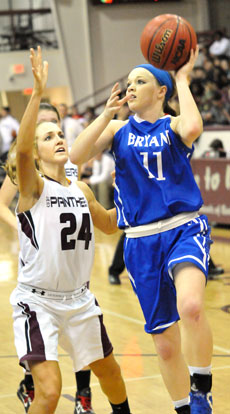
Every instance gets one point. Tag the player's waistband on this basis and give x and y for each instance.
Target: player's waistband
(160, 226)
(49, 294)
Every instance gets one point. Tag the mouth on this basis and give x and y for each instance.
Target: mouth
(132, 97)
(61, 149)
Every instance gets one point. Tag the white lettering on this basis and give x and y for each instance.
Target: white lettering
(165, 138)
(154, 141)
(139, 141)
(212, 181)
(146, 140)
(131, 139)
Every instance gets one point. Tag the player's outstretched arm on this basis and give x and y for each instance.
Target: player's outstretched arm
(104, 220)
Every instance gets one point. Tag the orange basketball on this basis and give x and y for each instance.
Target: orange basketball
(166, 41)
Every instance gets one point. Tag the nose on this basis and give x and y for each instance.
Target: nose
(130, 87)
(59, 140)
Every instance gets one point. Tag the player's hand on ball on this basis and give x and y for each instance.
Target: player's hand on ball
(186, 69)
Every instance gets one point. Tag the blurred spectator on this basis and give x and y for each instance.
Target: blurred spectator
(89, 115)
(220, 45)
(197, 89)
(74, 112)
(217, 112)
(225, 65)
(199, 73)
(100, 180)
(216, 150)
(9, 127)
(70, 126)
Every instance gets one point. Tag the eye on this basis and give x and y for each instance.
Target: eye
(140, 82)
(61, 135)
(47, 138)
(128, 84)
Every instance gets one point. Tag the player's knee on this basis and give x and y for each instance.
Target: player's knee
(48, 397)
(190, 309)
(111, 371)
(166, 349)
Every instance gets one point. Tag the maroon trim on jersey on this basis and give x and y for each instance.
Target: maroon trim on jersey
(34, 340)
(27, 226)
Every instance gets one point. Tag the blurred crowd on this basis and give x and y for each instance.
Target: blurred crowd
(210, 80)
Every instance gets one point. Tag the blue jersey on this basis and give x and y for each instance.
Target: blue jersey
(154, 179)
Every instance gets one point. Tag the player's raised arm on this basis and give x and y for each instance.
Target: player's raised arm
(27, 176)
(189, 124)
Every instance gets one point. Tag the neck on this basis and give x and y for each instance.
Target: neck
(151, 113)
(56, 175)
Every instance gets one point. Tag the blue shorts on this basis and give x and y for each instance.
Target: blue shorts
(149, 261)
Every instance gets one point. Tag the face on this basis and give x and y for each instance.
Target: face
(63, 110)
(51, 144)
(144, 89)
(48, 116)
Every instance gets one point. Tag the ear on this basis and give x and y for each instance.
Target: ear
(162, 91)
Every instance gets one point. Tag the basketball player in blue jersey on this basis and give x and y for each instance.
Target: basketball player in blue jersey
(166, 248)
(52, 302)
(8, 191)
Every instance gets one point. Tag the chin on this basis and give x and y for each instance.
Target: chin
(132, 106)
(63, 159)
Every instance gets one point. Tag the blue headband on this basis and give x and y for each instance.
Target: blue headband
(162, 77)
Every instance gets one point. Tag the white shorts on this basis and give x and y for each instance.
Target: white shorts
(41, 324)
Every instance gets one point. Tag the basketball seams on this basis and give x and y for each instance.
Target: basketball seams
(190, 38)
(173, 42)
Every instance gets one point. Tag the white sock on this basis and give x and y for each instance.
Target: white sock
(181, 403)
(200, 370)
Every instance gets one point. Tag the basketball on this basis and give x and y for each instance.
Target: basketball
(166, 41)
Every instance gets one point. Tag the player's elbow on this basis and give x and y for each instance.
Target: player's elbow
(194, 131)
(73, 157)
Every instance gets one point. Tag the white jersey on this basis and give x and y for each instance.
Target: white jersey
(56, 239)
(71, 170)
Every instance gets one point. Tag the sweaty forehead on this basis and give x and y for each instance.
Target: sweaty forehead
(46, 127)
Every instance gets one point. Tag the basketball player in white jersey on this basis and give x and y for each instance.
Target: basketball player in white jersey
(52, 303)
(8, 191)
